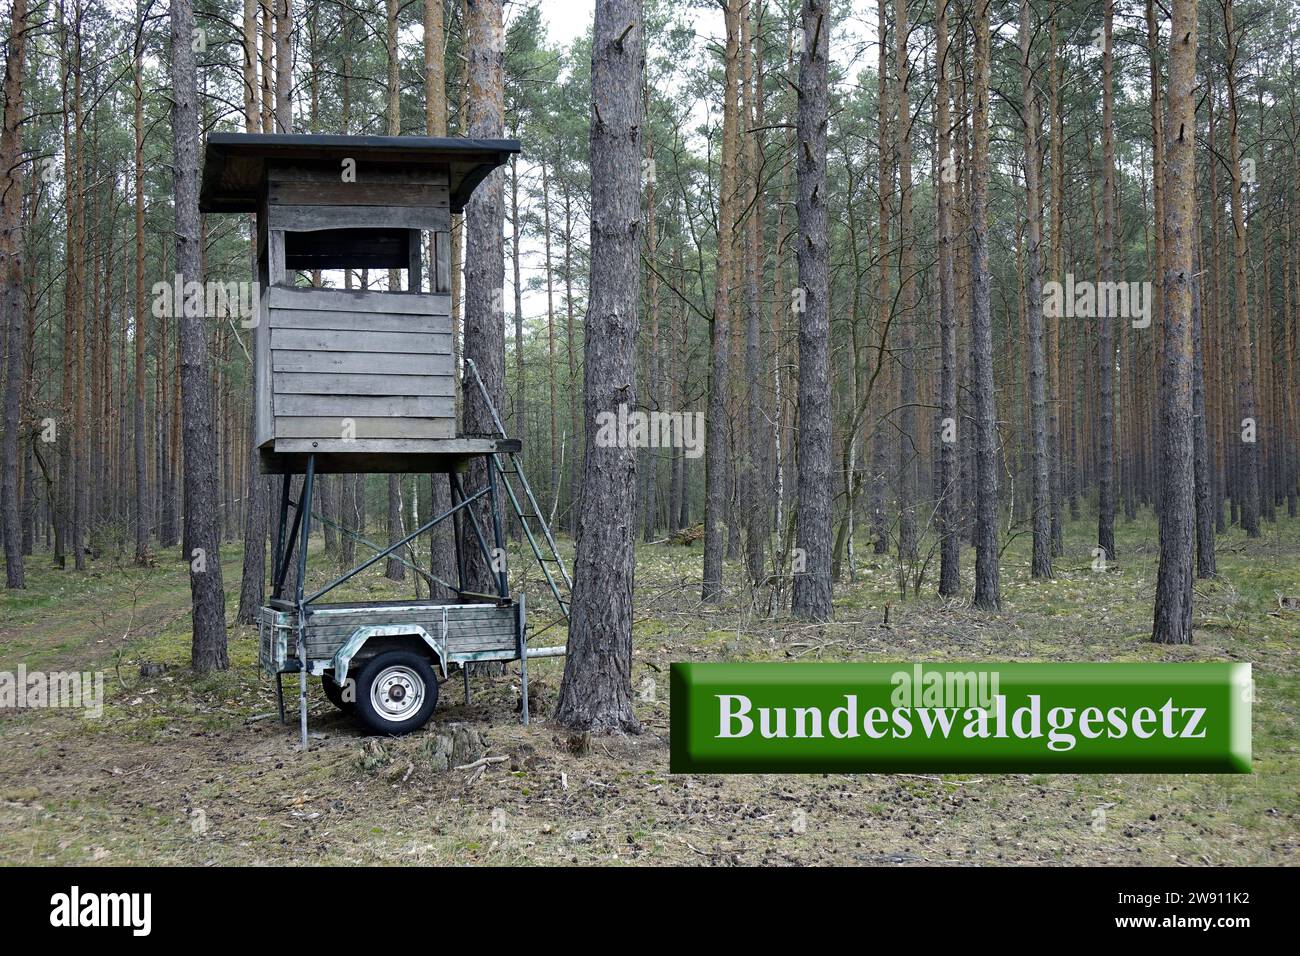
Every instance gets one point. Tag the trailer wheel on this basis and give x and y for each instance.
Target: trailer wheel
(396, 693)
(335, 694)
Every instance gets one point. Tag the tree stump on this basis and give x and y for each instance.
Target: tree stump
(454, 745)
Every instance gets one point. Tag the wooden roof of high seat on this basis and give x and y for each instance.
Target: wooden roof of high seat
(235, 164)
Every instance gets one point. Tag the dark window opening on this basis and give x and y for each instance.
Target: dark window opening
(347, 249)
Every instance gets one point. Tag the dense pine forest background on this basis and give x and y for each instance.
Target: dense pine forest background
(93, 460)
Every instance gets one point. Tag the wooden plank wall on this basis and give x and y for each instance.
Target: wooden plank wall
(382, 360)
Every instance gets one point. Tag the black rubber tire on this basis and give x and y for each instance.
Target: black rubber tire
(417, 667)
(335, 694)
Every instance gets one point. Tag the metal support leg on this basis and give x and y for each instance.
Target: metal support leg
(279, 695)
(522, 622)
(304, 512)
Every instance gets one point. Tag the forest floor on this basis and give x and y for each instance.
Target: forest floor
(185, 770)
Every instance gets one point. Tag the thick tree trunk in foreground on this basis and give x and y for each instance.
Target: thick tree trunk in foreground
(11, 289)
(596, 693)
(1173, 610)
(812, 588)
(988, 593)
(484, 271)
(201, 497)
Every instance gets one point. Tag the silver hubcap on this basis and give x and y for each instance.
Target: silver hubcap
(397, 693)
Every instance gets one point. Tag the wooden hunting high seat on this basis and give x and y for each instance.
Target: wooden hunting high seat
(361, 379)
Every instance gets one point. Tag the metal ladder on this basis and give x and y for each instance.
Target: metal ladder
(545, 551)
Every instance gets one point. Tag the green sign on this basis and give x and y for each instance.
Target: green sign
(1012, 718)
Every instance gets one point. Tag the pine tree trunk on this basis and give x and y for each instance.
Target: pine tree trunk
(1041, 565)
(778, 444)
(83, 319)
(649, 464)
(1055, 362)
(677, 386)
(1206, 565)
(252, 584)
(1138, 422)
(554, 485)
(1218, 372)
(201, 520)
(570, 336)
(755, 496)
(1247, 491)
(1173, 606)
(1106, 322)
(948, 490)
(283, 66)
(596, 691)
(717, 453)
(884, 182)
(11, 290)
(484, 270)
(517, 407)
(812, 587)
(907, 298)
(348, 520)
(324, 494)
(988, 594)
(259, 491)
(61, 503)
(394, 570)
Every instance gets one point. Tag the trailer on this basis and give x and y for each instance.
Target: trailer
(362, 381)
(383, 661)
